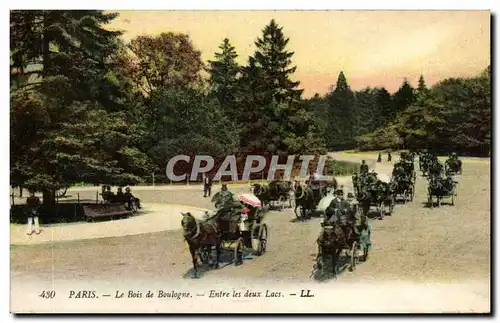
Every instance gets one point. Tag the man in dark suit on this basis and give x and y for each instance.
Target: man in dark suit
(207, 185)
(33, 203)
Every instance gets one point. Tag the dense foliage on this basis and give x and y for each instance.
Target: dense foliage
(86, 107)
(453, 115)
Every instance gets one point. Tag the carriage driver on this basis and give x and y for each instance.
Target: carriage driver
(129, 198)
(353, 202)
(363, 169)
(225, 195)
(340, 212)
(448, 182)
(227, 208)
(337, 203)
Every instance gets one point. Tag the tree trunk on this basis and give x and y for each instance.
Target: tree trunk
(49, 201)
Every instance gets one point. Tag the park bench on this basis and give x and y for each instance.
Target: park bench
(105, 210)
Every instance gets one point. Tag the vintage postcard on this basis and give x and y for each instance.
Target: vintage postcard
(250, 161)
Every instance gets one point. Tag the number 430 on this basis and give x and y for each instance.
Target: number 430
(47, 294)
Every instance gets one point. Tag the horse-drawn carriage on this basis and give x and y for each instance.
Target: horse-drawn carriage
(427, 163)
(236, 226)
(440, 188)
(308, 197)
(402, 182)
(277, 193)
(402, 187)
(375, 190)
(343, 230)
(453, 166)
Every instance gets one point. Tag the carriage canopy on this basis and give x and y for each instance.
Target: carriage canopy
(384, 177)
(249, 199)
(325, 202)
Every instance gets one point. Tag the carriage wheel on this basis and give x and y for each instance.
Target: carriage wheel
(354, 249)
(291, 199)
(133, 207)
(281, 202)
(303, 212)
(263, 237)
(238, 252)
(320, 264)
(204, 255)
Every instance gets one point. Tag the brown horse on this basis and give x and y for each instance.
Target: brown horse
(331, 241)
(201, 236)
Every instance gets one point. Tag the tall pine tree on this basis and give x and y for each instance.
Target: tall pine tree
(63, 66)
(273, 117)
(341, 115)
(274, 61)
(368, 115)
(224, 73)
(422, 92)
(402, 99)
(383, 101)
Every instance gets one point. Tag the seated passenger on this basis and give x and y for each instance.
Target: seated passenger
(129, 198)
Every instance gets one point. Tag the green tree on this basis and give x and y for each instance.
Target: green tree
(422, 92)
(168, 60)
(273, 118)
(318, 106)
(453, 115)
(464, 108)
(224, 73)
(383, 101)
(402, 99)
(191, 124)
(65, 85)
(341, 115)
(368, 115)
(274, 61)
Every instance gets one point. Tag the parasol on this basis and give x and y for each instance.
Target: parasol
(384, 177)
(249, 199)
(325, 202)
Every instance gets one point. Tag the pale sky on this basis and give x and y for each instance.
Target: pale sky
(373, 48)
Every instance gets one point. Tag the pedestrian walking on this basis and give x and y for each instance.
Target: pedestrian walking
(207, 185)
(33, 203)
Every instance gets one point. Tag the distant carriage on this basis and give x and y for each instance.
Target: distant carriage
(439, 188)
(402, 188)
(428, 163)
(453, 166)
(307, 197)
(377, 195)
(277, 193)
